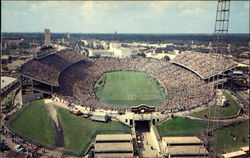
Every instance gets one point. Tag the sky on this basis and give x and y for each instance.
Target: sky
(120, 16)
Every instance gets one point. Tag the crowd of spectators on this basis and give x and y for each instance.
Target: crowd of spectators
(205, 65)
(184, 88)
(49, 68)
(76, 77)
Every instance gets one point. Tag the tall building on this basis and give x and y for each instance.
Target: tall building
(47, 37)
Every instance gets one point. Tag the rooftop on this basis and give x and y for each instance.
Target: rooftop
(182, 140)
(5, 81)
(112, 147)
(234, 154)
(108, 137)
(114, 155)
(187, 150)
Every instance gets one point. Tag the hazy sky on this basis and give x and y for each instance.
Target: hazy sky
(120, 16)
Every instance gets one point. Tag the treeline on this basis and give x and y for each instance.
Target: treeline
(236, 39)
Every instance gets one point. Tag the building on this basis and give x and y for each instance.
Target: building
(7, 82)
(242, 153)
(235, 154)
(10, 43)
(113, 146)
(183, 147)
(100, 116)
(100, 53)
(47, 41)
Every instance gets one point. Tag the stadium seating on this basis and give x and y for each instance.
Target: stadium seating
(205, 65)
(184, 88)
(76, 77)
(49, 68)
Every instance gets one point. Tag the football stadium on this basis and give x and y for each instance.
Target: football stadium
(109, 83)
(134, 101)
(142, 94)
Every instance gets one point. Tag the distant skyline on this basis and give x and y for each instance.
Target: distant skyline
(167, 17)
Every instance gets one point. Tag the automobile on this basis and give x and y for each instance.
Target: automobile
(19, 148)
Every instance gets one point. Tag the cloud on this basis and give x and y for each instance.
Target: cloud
(161, 6)
(126, 16)
(195, 11)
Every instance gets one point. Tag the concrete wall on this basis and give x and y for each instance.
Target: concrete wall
(32, 97)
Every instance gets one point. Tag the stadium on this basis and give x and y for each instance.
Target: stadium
(126, 95)
(68, 76)
(136, 98)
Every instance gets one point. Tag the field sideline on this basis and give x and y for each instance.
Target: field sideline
(128, 88)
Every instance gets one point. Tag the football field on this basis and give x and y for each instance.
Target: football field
(128, 88)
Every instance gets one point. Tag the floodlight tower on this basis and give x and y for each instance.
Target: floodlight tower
(221, 26)
(219, 47)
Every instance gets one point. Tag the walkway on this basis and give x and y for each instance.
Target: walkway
(58, 128)
(150, 149)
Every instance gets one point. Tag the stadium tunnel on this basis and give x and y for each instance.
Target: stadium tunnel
(142, 125)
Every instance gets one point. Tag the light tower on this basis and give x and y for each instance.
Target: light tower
(47, 41)
(219, 47)
(221, 26)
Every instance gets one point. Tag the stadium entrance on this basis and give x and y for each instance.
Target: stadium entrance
(142, 126)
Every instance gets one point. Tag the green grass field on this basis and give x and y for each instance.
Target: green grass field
(35, 122)
(225, 141)
(227, 111)
(78, 131)
(182, 127)
(127, 88)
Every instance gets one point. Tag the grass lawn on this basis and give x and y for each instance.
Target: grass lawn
(128, 88)
(35, 122)
(230, 110)
(78, 131)
(8, 104)
(225, 142)
(182, 127)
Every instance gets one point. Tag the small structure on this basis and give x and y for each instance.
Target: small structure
(183, 147)
(99, 116)
(222, 101)
(76, 112)
(142, 108)
(101, 138)
(235, 154)
(113, 146)
(7, 82)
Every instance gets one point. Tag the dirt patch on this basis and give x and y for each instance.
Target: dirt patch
(59, 130)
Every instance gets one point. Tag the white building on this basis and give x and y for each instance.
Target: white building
(7, 82)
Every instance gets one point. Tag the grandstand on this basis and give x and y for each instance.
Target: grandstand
(204, 65)
(69, 76)
(48, 69)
